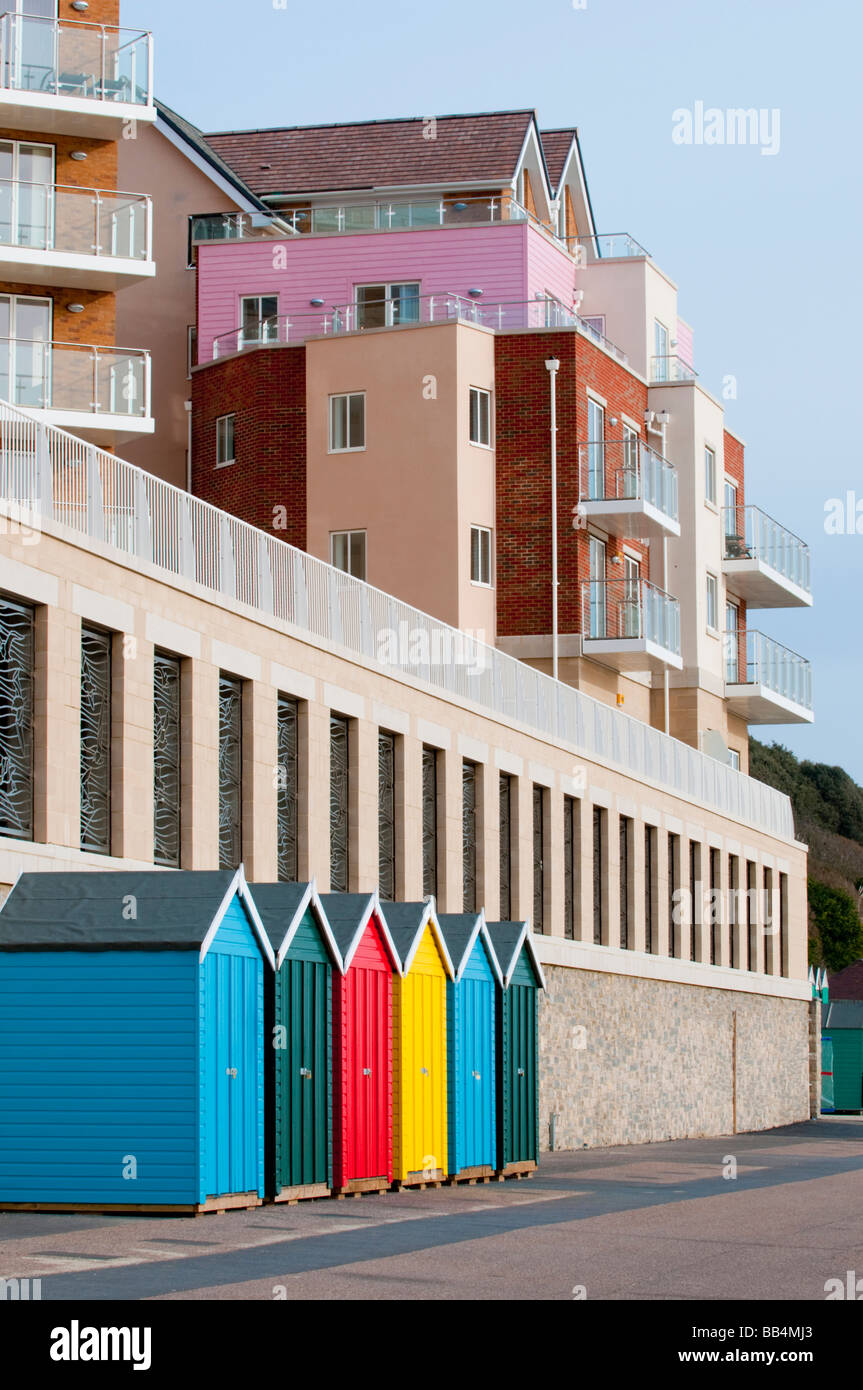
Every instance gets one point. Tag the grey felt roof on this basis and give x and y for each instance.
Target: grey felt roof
(277, 905)
(844, 1013)
(403, 920)
(344, 913)
(505, 937)
(85, 911)
(457, 929)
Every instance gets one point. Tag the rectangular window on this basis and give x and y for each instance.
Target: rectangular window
(730, 521)
(694, 914)
(629, 471)
(480, 416)
(469, 780)
(348, 423)
(225, 440)
(348, 552)
(95, 741)
(597, 613)
(650, 883)
(734, 759)
(480, 555)
(387, 305)
(191, 349)
(660, 352)
(569, 874)
(230, 772)
(25, 350)
(339, 805)
(287, 810)
(259, 319)
(387, 817)
(598, 882)
(538, 859)
(26, 192)
(505, 847)
(710, 475)
(166, 760)
(429, 822)
(783, 924)
(625, 882)
(732, 644)
(674, 905)
(751, 926)
(17, 653)
(769, 938)
(595, 449)
(734, 909)
(715, 909)
(712, 603)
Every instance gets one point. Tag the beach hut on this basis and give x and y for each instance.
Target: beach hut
(471, 1007)
(362, 1044)
(517, 1047)
(299, 1026)
(419, 1044)
(844, 1026)
(132, 1042)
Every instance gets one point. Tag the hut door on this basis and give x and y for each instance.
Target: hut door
(307, 1065)
(477, 1012)
(522, 1078)
(370, 1081)
(233, 995)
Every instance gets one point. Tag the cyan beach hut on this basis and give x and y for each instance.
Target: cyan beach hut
(517, 1047)
(300, 1027)
(471, 1011)
(132, 1042)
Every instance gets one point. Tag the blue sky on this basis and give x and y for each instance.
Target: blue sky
(765, 249)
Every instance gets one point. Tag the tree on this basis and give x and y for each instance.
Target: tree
(838, 924)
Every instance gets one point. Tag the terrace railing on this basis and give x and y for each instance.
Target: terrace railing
(81, 221)
(71, 58)
(615, 470)
(750, 534)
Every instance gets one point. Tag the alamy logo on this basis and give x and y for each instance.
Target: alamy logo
(735, 126)
(850, 1287)
(77, 1343)
(20, 1290)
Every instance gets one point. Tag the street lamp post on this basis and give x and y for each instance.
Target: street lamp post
(552, 366)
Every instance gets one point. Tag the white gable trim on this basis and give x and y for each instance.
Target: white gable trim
(224, 185)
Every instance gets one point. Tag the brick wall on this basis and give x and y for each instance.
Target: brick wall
(266, 391)
(733, 451)
(523, 472)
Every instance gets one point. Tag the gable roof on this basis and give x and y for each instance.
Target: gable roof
(376, 154)
(556, 146)
(82, 911)
(282, 907)
(847, 983)
(348, 915)
(461, 931)
(508, 939)
(407, 923)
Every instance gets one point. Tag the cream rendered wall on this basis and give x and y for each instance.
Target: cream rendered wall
(630, 292)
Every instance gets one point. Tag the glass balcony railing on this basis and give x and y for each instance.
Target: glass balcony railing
(625, 609)
(617, 470)
(751, 658)
(69, 58)
(74, 376)
(670, 369)
(80, 221)
(611, 246)
(750, 534)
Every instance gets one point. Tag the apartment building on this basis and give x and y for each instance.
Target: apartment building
(376, 367)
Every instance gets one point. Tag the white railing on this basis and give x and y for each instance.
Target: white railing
(47, 473)
(750, 534)
(81, 221)
(751, 658)
(71, 58)
(617, 470)
(615, 610)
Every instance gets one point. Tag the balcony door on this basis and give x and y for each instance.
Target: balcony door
(629, 470)
(260, 322)
(595, 451)
(732, 643)
(30, 45)
(597, 627)
(384, 306)
(631, 626)
(26, 195)
(25, 350)
(660, 351)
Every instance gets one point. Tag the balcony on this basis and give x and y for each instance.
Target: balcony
(764, 563)
(669, 369)
(65, 77)
(84, 238)
(612, 246)
(101, 393)
(628, 490)
(765, 683)
(631, 625)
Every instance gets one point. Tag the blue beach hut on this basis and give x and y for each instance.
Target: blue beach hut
(471, 1010)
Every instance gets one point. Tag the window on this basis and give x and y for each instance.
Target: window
(166, 760)
(769, 938)
(569, 879)
(650, 834)
(629, 477)
(715, 910)
(469, 781)
(674, 904)
(191, 349)
(339, 804)
(730, 499)
(95, 741)
(783, 924)
(429, 821)
(732, 646)
(751, 914)
(733, 912)
(480, 416)
(505, 846)
(596, 622)
(16, 720)
(287, 805)
(631, 597)
(25, 350)
(595, 449)
(387, 305)
(259, 319)
(480, 555)
(694, 914)
(348, 552)
(387, 817)
(598, 857)
(347, 423)
(625, 870)
(230, 772)
(710, 475)
(225, 440)
(660, 351)
(538, 859)
(734, 759)
(712, 602)
(26, 194)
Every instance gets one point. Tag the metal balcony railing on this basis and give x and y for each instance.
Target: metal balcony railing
(615, 470)
(401, 312)
(750, 534)
(75, 376)
(81, 221)
(49, 474)
(610, 246)
(751, 658)
(623, 609)
(72, 58)
(670, 369)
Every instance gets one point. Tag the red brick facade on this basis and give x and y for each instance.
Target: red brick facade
(523, 500)
(266, 392)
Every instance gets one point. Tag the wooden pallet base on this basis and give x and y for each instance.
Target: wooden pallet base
(480, 1173)
(522, 1168)
(434, 1177)
(243, 1201)
(355, 1187)
(302, 1193)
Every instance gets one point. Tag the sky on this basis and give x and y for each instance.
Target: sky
(765, 247)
